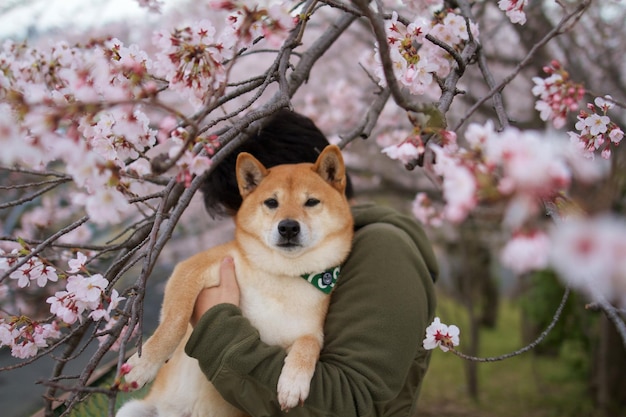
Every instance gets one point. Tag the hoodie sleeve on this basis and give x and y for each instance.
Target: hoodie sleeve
(372, 354)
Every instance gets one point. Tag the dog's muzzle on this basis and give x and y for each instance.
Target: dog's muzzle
(289, 231)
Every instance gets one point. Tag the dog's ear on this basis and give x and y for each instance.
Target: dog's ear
(330, 167)
(250, 172)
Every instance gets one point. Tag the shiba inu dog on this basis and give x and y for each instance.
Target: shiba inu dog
(293, 230)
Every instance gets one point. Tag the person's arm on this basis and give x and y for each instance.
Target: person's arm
(373, 332)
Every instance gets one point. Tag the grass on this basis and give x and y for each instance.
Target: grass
(526, 385)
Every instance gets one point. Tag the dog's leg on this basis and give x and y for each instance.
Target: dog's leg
(295, 378)
(179, 299)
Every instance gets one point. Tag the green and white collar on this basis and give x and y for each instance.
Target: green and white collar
(324, 281)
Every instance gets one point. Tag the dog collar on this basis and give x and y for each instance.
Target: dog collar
(324, 281)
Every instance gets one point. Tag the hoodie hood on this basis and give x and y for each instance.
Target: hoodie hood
(365, 214)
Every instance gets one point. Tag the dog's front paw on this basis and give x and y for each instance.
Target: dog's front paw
(293, 387)
(140, 370)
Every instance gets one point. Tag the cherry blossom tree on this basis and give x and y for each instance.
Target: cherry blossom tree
(493, 107)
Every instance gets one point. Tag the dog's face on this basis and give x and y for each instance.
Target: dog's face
(292, 210)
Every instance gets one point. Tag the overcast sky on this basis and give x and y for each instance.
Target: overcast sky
(17, 16)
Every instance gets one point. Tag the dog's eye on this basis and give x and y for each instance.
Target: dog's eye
(271, 203)
(312, 202)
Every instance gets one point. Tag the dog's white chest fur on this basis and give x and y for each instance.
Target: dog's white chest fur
(282, 308)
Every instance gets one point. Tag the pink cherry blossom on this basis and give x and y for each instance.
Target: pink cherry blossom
(441, 335)
(23, 350)
(458, 186)
(596, 131)
(77, 264)
(558, 95)
(605, 103)
(44, 274)
(590, 255)
(425, 211)
(597, 124)
(404, 152)
(478, 134)
(526, 251)
(514, 10)
(87, 289)
(63, 306)
(616, 135)
(7, 333)
(23, 274)
(106, 125)
(106, 206)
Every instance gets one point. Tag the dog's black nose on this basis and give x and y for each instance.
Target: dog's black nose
(288, 228)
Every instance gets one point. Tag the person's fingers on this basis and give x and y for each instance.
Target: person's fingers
(228, 281)
(227, 271)
(226, 292)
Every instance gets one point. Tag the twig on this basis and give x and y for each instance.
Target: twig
(498, 103)
(35, 172)
(611, 312)
(43, 245)
(526, 348)
(35, 184)
(34, 195)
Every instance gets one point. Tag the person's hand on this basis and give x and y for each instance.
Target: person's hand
(226, 292)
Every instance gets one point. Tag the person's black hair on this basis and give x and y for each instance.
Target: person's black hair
(287, 138)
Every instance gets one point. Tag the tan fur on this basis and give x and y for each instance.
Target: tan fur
(287, 310)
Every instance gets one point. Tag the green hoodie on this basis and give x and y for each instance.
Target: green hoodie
(372, 363)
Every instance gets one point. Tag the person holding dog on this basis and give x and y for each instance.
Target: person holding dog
(373, 361)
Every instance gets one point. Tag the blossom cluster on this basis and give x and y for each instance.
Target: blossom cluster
(269, 20)
(191, 59)
(558, 94)
(33, 269)
(588, 254)
(189, 163)
(416, 61)
(521, 168)
(84, 296)
(51, 114)
(25, 337)
(407, 145)
(596, 131)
